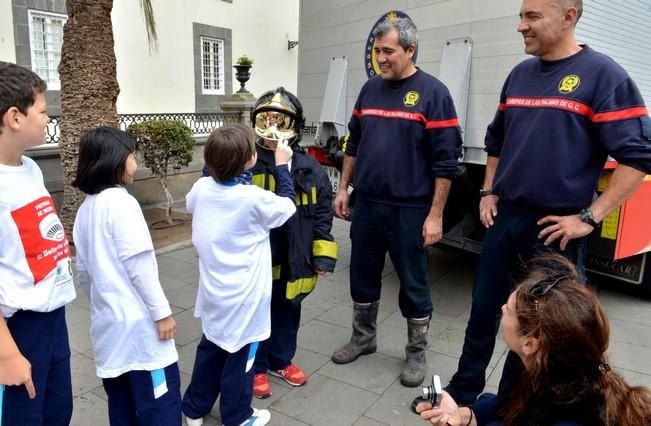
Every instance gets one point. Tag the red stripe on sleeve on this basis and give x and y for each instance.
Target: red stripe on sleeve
(502, 107)
(622, 114)
(356, 113)
(442, 124)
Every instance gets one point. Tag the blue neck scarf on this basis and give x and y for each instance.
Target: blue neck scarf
(245, 179)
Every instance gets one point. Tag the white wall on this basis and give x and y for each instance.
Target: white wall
(621, 29)
(164, 82)
(7, 46)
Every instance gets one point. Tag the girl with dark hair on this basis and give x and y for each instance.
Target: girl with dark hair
(560, 332)
(132, 328)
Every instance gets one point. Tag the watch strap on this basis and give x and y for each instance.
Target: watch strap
(586, 217)
(485, 192)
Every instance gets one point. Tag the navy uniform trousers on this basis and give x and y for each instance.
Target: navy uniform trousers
(133, 399)
(216, 372)
(376, 229)
(511, 240)
(42, 338)
(277, 352)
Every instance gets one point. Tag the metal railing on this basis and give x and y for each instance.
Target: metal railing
(201, 124)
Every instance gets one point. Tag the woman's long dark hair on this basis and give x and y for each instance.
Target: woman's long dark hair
(573, 333)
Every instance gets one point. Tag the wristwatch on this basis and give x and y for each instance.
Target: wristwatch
(485, 192)
(586, 217)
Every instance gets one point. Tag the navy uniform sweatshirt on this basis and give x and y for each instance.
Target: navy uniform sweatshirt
(403, 134)
(556, 124)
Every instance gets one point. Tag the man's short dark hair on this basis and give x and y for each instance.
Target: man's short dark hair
(18, 88)
(103, 152)
(227, 151)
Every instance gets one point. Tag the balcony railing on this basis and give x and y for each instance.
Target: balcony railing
(201, 124)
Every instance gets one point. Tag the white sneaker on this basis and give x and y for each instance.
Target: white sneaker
(194, 422)
(258, 418)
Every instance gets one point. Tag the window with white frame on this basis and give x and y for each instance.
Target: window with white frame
(212, 66)
(46, 37)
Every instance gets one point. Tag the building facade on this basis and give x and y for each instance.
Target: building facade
(198, 43)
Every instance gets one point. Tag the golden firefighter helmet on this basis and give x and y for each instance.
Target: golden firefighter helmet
(278, 115)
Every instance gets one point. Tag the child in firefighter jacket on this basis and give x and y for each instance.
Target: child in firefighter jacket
(303, 249)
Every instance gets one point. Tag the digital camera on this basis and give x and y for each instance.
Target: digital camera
(434, 392)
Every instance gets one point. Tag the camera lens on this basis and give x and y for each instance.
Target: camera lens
(428, 393)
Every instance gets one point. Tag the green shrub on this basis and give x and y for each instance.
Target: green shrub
(166, 145)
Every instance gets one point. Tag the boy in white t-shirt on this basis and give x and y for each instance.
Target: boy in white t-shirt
(35, 269)
(231, 222)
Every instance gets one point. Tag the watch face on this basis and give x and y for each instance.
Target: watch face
(586, 216)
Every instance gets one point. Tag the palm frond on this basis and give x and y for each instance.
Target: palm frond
(150, 25)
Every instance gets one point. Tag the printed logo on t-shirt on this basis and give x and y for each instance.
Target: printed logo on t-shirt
(41, 232)
(51, 228)
(569, 84)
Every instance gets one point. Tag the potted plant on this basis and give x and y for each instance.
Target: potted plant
(167, 145)
(243, 66)
(244, 61)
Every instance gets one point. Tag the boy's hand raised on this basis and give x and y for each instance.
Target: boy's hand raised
(15, 370)
(166, 328)
(283, 153)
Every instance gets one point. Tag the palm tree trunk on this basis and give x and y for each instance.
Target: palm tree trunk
(89, 87)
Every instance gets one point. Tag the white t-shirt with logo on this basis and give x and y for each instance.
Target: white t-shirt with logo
(230, 230)
(35, 264)
(117, 265)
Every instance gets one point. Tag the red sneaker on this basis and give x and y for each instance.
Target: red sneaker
(261, 386)
(292, 375)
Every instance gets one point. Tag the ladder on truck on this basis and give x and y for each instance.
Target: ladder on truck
(454, 72)
(333, 119)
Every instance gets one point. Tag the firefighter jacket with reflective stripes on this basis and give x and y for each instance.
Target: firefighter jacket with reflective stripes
(304, 243)
(555, 126)
(404, 134)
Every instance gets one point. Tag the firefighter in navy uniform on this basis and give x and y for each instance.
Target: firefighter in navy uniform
(303, 249)
(401, 156)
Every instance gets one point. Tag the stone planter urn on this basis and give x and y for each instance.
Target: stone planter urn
(242, 75)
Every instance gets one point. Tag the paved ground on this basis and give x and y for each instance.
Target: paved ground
(367, 392)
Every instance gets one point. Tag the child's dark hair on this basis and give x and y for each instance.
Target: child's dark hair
(228, 150)
(18, 88)
(103, 152)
